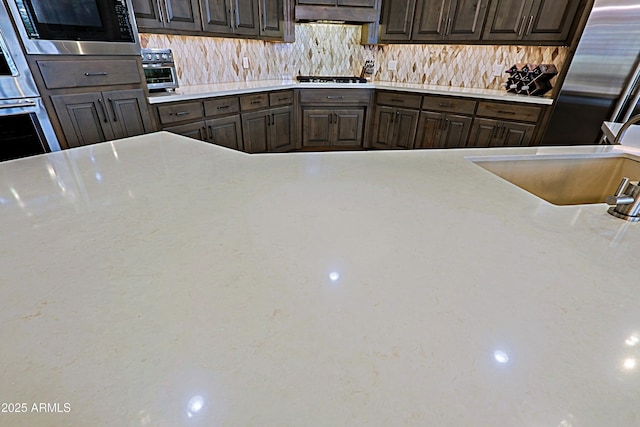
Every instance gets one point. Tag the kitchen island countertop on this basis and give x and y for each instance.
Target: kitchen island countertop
(185, 93)
(163, 281)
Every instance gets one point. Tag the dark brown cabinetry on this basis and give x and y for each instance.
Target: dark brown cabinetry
(216, 121)
(396, 119)
(432, 20)
(88, 118)
(93, 99)
(530, 20)
(337, 10)
(445, 122)
(268, 122)
(230, 16)
(181, 15)
(503, 125)
(332, 118)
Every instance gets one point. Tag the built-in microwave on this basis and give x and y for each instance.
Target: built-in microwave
(80, 27)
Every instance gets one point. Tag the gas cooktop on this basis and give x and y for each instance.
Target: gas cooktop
(331, 79)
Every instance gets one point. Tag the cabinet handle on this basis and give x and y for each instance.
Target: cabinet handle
(286, 98)
(180, 113)
(222, 107)
(256, 102)
(335, 97)
(506, 112)
(336, 116)
(166, 7)
(99, 73)
(330, 118)
(448, 30)
(230, 19)
(113, 110)
(104, 110)
(445, 105)
(521, 27)
(529, 26)
(397, 100)
(272, 121)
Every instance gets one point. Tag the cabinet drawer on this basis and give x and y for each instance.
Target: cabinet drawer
(219, 106)
(449, 105)
(396, 99)
(525, 113)
(281, 98)
(180, 112)
(253, 102)
(335, 96)
(63, 74)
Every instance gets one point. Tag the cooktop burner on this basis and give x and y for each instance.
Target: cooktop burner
(330, 79)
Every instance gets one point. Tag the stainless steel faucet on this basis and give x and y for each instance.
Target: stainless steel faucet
(626, 202)
(625, 126)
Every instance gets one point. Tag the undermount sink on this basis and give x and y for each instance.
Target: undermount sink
(565, 180)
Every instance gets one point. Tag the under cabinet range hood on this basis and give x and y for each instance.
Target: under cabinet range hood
(337, 11)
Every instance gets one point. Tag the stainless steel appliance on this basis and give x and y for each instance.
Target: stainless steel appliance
(159, 69)
(602, 79)
(25, 128)
(331, 79)
(77, 27)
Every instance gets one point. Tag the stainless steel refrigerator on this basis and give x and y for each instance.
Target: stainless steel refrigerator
(602, 83)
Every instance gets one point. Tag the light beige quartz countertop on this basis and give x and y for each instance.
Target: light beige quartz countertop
(185, 93)
(163, 281)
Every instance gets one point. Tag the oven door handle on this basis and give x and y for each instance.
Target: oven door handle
(18, 105)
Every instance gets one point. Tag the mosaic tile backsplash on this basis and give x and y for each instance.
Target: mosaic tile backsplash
(331, 49)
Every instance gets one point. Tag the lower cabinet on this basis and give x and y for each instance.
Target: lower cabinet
(225, 131)
(268, 130)
(328, 127)
(331, 118)
(442, 130)
(496, 133)
(88, 118)
(394, 127)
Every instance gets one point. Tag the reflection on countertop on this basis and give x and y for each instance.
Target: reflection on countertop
(159, 280)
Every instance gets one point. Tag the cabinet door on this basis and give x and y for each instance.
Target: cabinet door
(483, 133)
(83, 117)
(317, 127)
(216, 16)
(130, 113)
(195, 130)
(551, 20)
(383, 128)
(245, 13)
(148, 14)
(281, 129)
(514, 135)
(225, 131)
(456, 130)
(396, 20)
(271, 18)
(182, 15)
(431, 20)
(465, 19)
(406, 122)
(255, 131)
(349, 127)
(429, 130)
(507, 19)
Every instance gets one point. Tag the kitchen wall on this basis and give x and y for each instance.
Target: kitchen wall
(330, 49)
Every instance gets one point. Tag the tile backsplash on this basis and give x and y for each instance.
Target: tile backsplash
(332, 49)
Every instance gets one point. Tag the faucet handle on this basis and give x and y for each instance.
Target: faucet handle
(619, 198)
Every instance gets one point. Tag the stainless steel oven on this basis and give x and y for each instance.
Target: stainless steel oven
(159, 69)
(25, 128)
(77, 27)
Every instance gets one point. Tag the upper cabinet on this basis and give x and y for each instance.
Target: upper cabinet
(530, 20)
(265, 19)
(478, 21)
(230, 16)
(432, 20)
(337, 10)
(181, 15)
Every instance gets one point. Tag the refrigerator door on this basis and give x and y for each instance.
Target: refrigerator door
(604, 63)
